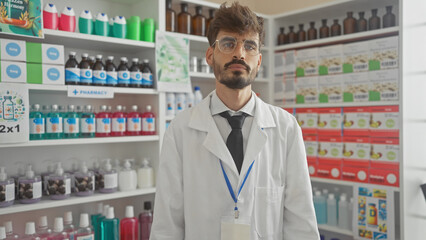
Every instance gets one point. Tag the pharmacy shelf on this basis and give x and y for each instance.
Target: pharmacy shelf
(95, 42)
(190, 37)
(347, 183)
(335, 230)
(344, 104)
(46, 203)
(64, 88)
(393, 31)
(207, 76)
(81, 141)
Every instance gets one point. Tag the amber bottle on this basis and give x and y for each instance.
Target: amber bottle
(282, 38)
(361, 24)
(184, 20)
(170, 17)
(312, 32)
(199, 22)
(336, 29)
(349, 24)
(211, 16)
(324, 29)
(301, 35)
(389, 18)
(374, 21)
(292, 36)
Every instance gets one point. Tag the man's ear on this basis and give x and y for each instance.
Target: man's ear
(259, 62)
(209, 56)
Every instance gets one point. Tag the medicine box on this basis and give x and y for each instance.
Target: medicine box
(330, 121)
(330, 171)
(356, 56)
(356, 121)
(279, 64)
(383, 53)
(384, 121)
(307, 90)
(330, 150)
(279, 88)
(13, 50)
(384, 85)
(312, 168)
(330, 59)
(307, 119)
(290, 63)
(331, 89)
(13, 72)
(384, 151)
(356, 151)
(387, 177)
(356, 87)
(45, 53)
(311, 146)
(45, 74)
(307, 62)
(289, 90)
(355, 174)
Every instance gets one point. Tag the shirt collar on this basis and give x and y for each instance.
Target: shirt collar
(217, 106)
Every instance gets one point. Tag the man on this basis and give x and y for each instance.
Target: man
(234, 167)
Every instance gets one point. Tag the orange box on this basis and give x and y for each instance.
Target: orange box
(384, 153)
(386, 177)
(356, 151)
(331, 171)
(356, 121)
(355, 174)
(330, 121)
(330, 150)
(307, 119)
(384, 121)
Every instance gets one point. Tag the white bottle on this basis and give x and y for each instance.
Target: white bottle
(30, 233)
(145, 175)
(2, 233)
(127, 177)
(198, 96)
(180, 102)
(343, 213)
(350, 212)
(58, 230)
(171, 104)
(190, 100)
(331, 210)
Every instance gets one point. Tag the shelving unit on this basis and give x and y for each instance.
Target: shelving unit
(344, 104)
(335, 229)
(345, 183)
(64, 88)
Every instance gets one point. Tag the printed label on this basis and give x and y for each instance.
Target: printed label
(134, 124)
(88, 125)
(147, 79)
(13, 49)
(54, 125)
(118, 124)
(103, 125)
(72, 75)
(86, 76)
(13, 71)
(71, 125)
(86, 237)
(53, 74)
(36, 190)
(124, 77)
(99, 77)
(136, 78)
(111, 180)
(37, 125)
(67, 186)
(112, 78)
(52, 53)
(148, 124)
(9, 192)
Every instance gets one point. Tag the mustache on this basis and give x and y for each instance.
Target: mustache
(238, 61)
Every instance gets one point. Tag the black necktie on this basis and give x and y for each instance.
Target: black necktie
(235, 138)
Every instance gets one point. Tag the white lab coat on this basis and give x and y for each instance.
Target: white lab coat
(192, 195)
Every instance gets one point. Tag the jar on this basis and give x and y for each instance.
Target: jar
(312, 32)
(349, 24)
(361, 24)
(389, 18)
(324, 30)
(336, 29)
(374, 21)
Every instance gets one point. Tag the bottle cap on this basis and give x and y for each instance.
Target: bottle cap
(123, 59)
(92, 58)
(69, 11)
(196, 88)
(325, 191)
(145, 163)
(29, 173)
(146, 61)
(147, 205)
(42, 221)
(318, 193)
(99, 56)
(110, 58)
(103, 108)
(119, 108)
(135, 108)
(110, 214)
(84, 167)
(59, 170)
(108, 165)
(85, 55)
(59, 225)
(71, 108)
(129, 212)
(54, 107)
(109, 108)
(84, 220)
(50, 7)
(2, 233)
(3, 174)
(36, 107)
(342, 198)
(102, 17)
(148, 108)
(29, 228)
(127, 165)
(86, 14)
(72, 54)
(331, 196)
(68, 217)
(105, 212)
(352, 200)
(8, 226)
(100, 208)
(135, 60)
(88, 107)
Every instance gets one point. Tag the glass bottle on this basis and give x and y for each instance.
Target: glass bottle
(170, 17)
(184, 20)
(312, 31)
(349, 24)
(282, 38)
(111, 70)
(99, 72)
(87, 123)
(211, 16)
(374, 21)
(135, 74)
(292, 36)
(85, 70)
(361, 24)
(389, 18)
(336, 29)
(72, 71)
(301, 35)
(324, 30)
(199, 22)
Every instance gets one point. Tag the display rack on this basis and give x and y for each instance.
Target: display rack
(335, 229)
(343, 104)
(345, 183)
(64, 88)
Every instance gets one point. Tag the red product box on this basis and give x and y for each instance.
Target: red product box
(311, 146)
(307, 119)
(289, 110)
(384, 153)
(386, 177)
(313, 168)
(355, 174)
(384, 121)
(330, 121)
(331, 171)
(356, 151)
(330, 150)
(356, 121)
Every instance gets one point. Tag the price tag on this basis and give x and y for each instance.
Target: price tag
(90, 92)
(14, 113)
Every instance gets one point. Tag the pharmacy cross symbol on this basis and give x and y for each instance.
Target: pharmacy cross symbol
(75, 92)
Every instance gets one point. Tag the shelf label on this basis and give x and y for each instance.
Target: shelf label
(14, 113)
(90, 92)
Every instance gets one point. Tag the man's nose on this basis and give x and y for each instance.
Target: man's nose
(239, 52)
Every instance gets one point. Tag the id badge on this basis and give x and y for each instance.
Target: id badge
(235, 229)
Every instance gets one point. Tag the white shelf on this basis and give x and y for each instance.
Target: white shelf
(46, 203)
(95, 42)
(343, 104)
(169, 118)
(80, 141)
(347, 183)
(64, 88)
(340, 39)
(335, 229)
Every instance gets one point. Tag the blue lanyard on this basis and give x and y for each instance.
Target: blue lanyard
(231, 190)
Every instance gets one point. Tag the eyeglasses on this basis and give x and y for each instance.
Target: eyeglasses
(228, 44)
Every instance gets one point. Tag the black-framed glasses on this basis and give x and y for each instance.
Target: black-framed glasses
(228, 44)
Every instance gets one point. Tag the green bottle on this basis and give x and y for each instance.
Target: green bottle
(110, 226)
(37, 123)
(87, 123)
(95, 220)
(71, 123)
(54, 128)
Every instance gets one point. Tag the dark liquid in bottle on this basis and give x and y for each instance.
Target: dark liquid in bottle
(199, 22)
(184, 20)
(324, 30)
(170, 17)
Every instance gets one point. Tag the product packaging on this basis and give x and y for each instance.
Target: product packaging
(307, 62)
(13, 72)
(383, 53)
(330, 59)
(331, 89)
(384, 85)
(355, 57)
(45, 53)
(384, 121)
(307, 119)
(356, 87)
(329, 121)
(12, 50)
(330, 150)
(356, 121)
(307, 90)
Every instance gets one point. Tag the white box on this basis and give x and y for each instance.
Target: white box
(384, 85)
(307, 90)
(53, 74)
(330, 59)
(279, 63)
(384, 53)
(14, 72)
(290, 63)
(307, 62)
(52, 54)
(356, 87)
(356, 56)
(13, 50)
(331, 89)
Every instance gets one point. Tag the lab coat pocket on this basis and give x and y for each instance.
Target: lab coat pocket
(268, 211)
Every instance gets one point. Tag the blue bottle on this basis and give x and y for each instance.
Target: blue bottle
(54, 129)
(110, 226)
(320, 204)
(37, 123)
(71, 123)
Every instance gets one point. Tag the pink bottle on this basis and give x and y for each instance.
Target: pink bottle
(43, 231)
(84, 231)
(134, 122)
(103, 123)
(145, 219)
(68, 226)
(67, 20)
(129, 225)
(50, 16)
(58, 230)
(118, 122)
(30, 232)
(148, 122)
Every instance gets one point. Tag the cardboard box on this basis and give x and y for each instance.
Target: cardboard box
(307, 119)
(45, 74)
(330, 171)
(279, 62)
(356, 87)
(13, 50)
(356, 56)
(356, 121)
(383, 53)
(330, 121)
(13, 72)
(289, 90)
(356, 151)
(384, 85)
(330, 59)
(386, 177)
(307, 62)
(384, 151)
(307, 90)
(279, 89)
(330, 150)
(384, 121)
(45, 53)
(311, 146)
(355, 174)
(331, 89)
(290, 63)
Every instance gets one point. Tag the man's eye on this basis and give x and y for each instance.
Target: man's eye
(228, 45)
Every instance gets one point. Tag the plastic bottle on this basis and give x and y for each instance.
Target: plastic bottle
(350, 212)
(171, 104)
(146, 175)
(129, 226)
(58, 230)
(9, 231)
(29, 187)
(43, 230)
(331, 210)
(123, 73)
(68, 226)
(7, 189)
(127, 177)
(320, 205)
(50, 16)
(148, 121)
(134, 122)
(95, 220)
(86, 74)
(110, 226)
(84, 232)
(71, 123)
(118, 122)
(145, 219)
(103, 122)
(72, 70)
(54, 127)
(343, 213)
(190, 99)
(2, 233)
(67, 21)
(135, 74)
(198, 96)
(59, 184)
(37, 123)
(84, 181)
(180, 102)
(98, 231)
(109, 178)
(99, 72)
(30, 233)
(111, 71)
(147, 77)
(87, 123)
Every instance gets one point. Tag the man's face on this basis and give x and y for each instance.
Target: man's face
(238, 68)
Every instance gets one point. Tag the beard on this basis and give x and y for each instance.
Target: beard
(235, 79)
